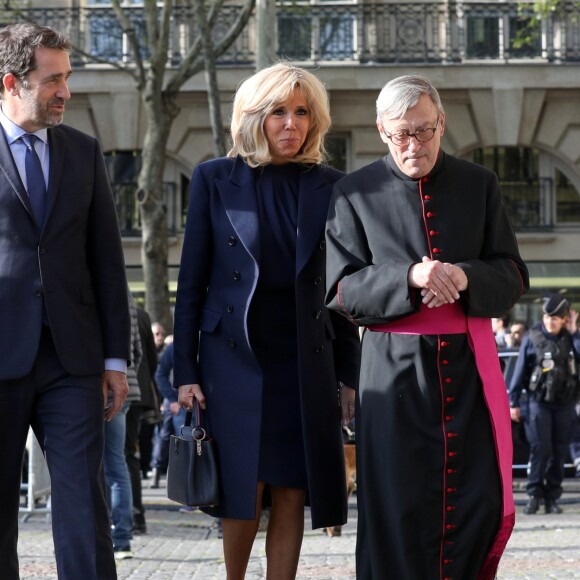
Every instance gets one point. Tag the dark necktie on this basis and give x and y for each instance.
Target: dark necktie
(35, 179)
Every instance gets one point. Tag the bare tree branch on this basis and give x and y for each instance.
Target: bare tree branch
(129, 30)
(193, 62)
(116, 64)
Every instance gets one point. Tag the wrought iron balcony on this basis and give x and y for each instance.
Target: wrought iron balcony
(530, 204)
(315, 32)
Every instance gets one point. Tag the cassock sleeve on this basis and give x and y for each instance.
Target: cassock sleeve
(498, 276)
(364, 292)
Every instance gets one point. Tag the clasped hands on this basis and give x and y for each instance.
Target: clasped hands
(440, 282)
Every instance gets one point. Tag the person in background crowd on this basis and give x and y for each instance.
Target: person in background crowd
(115, 462)
(421, 253)
(63, 299)
(547, 368)
(254, 343)
(159, 336)
(500, 330)
(575, 440)
(142, 416)
(515, 336)
(173, 414)
(148, 461)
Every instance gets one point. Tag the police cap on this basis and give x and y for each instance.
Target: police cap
(555, 305)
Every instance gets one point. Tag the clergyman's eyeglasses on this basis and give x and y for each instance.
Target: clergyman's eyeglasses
(422, 135)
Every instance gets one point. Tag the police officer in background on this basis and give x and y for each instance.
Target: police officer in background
(547, 369)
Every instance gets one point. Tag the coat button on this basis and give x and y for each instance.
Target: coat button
(433, 233)
(318, 281)
(318, 348)
(318, 314)
(230, 308)
(322, 245)
(232, 343)
(37, 293)
(42, 251)
(437, 250)
(237, 275)
(427, 197)
(430, 214)
(232, 241)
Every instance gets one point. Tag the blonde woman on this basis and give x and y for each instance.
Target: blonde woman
(254, 343)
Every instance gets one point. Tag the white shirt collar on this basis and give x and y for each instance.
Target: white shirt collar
(14, 131)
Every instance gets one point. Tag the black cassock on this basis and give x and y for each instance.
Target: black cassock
(429, 487)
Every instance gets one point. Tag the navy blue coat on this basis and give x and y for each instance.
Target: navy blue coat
(217, 279)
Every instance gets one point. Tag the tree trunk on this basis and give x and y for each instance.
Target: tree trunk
(266, 33)
(153, 211)
(213, 94)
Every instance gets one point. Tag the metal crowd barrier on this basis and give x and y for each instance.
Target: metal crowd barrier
(36, 488)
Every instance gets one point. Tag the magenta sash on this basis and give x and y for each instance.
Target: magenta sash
(450, 319)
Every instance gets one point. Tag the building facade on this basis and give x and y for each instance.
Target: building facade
(508, 74)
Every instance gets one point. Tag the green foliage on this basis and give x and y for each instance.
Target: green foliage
(530, 17)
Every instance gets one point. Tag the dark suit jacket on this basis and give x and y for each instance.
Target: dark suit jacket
(75, 262)
(219, 269)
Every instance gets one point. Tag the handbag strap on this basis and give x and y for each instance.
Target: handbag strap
(198, 431)
(189, 414)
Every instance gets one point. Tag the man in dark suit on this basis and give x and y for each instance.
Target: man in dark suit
(63, 305)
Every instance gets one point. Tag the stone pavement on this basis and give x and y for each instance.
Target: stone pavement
(185, 546)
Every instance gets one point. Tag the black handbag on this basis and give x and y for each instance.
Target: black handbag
(192, 473)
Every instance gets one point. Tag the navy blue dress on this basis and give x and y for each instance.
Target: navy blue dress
(273, 328)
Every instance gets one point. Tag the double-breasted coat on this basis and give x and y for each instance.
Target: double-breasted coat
(429, 446)
(220, 268)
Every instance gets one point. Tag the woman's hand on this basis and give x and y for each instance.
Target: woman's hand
(187, 393)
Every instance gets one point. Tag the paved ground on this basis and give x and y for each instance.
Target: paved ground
(185, 546)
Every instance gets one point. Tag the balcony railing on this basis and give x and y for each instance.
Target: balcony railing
(417, 31)
(530, 204)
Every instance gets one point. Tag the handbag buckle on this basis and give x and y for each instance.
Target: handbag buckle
(198, 434)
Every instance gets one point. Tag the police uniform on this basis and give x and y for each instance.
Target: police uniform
(547, 369)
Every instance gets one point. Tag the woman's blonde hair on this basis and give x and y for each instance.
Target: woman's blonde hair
(259, 95)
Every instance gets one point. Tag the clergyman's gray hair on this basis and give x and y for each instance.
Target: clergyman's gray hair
(403, 93)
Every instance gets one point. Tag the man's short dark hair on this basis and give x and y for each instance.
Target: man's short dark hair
(17, 45)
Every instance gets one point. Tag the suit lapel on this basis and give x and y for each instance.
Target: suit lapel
(57, 148)
(238, 194)
(313, 197)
